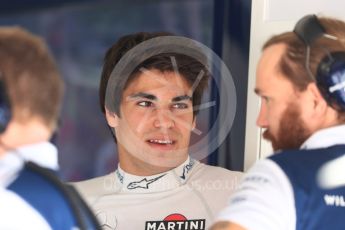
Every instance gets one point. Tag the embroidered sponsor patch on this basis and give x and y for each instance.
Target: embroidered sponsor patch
(334, 200)
(176, 222)
(144, 183)
(187, 168)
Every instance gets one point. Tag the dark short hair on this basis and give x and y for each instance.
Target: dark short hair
(188, 67)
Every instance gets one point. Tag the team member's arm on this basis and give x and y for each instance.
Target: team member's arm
(263, 201)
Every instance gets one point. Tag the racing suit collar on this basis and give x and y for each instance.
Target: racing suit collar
(156, 183)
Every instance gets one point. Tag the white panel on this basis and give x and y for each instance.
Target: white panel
(278, 10)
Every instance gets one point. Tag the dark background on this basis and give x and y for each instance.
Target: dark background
(79, 32)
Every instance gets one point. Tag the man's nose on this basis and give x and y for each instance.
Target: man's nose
(164, 119)
(261, 120)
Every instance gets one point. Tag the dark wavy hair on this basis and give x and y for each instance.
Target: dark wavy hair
(188, 67)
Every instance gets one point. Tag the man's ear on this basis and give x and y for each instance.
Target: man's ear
(112, 118)
(319, 102)
(194, 123)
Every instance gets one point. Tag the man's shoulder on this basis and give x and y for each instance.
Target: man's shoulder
(28, 215)
(95, 187)
(215, 183)
(297, 156)
(215, 172)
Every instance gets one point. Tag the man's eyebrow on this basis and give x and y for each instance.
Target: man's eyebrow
(182, 98)
(143, 95)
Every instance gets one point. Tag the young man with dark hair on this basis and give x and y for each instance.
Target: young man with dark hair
(300, 79)
(157, 185)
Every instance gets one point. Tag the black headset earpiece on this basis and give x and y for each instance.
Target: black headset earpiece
(5, 107)
(308, 29)
(330, 76)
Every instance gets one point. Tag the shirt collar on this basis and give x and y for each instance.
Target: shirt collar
(44, 154)
(171, 179)
(326, 137)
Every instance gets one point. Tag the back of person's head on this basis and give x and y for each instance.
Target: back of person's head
(33, 84)
(188, 67)
(294, 64)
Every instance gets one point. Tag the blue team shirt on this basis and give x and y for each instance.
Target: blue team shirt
(316, 207)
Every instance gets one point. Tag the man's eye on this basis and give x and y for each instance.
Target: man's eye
(180, 106)
(145, 103)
